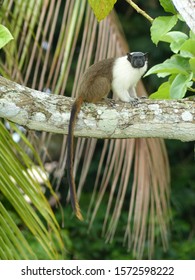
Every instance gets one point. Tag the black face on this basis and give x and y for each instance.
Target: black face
(137, 59)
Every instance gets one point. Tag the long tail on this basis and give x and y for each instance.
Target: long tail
(73, 196)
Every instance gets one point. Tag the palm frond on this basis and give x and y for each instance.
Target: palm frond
(13, 244)
(17, 181)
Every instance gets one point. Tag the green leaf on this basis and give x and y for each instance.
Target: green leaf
(101, 8)
(176, 38)
(192, 65)
(168, 6)
(175, 65)
(179, 86)
(163, 92)
(192, 35)
(5, 36)
(161, 26)
(188, 48)
(176, 45)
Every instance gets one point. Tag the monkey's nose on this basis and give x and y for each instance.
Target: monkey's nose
(139, 63)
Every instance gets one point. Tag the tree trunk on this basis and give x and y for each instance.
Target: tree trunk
(187, 9)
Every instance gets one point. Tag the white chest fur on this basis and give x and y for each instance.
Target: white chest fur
(125, 78)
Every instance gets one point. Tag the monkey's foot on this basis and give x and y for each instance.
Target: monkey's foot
(134, 101)
(110, 102)
(143, 97)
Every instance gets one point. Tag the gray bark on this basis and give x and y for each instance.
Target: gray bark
(169, 119)
(186, 8)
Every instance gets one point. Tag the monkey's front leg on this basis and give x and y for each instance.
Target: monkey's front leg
(125, 96)
(132, 93)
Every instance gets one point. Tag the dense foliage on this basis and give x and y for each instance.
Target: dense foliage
(180, 67)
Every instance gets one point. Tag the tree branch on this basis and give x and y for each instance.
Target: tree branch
(171, 119)
(140, 11)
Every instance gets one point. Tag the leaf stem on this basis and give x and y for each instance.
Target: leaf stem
(140, 11)
(191, 89)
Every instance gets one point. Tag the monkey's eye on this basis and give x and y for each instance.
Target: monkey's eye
(137, 57)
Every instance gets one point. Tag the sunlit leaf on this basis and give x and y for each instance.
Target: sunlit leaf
(174, 36)
(168, 6)
(5, 36)
(188, 48)
(179, 86)
(176, 64)
(160, 27)
(176, 40)
(163, 92)
(192, 65)
(102, 8)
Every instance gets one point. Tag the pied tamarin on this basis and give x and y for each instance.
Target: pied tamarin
(119, 75)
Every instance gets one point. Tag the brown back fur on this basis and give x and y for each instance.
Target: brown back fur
(96, 81)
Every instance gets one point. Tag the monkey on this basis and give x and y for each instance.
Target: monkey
(119, 75)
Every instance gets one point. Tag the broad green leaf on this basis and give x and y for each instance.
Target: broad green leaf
(174, 36)
(179, 86)
(5, 36)
(192, 65)
(192, 35)
(163, 92)
(176, 64)
(161, 26)
(101, 8)
(176, 45)
(176, 40)
(188, 48)
(168, 6)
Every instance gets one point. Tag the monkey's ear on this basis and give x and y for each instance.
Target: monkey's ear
(129, 55)
(146, 56)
